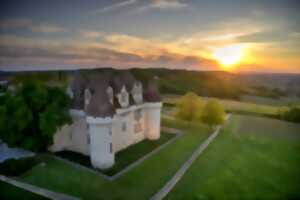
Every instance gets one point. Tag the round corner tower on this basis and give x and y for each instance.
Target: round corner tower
(101, 147)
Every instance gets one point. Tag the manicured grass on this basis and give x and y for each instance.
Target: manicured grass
(139, 183)
(242, 165)
(8, 191)
(238, 106)
(123, 158)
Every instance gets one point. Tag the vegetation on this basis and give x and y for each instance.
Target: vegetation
(42, 76)
(213, 113)
(247, 161)
(139, 183)
(238, 107)
(30, 117)
(292, 115)
(16, 167)
(191, 108)
(284, 101)
(201, 83)
(123, 158)
(211, 84)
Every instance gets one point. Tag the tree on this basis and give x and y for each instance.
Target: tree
(189, 107)
(213, 113)
(30, 117)
(292, 115)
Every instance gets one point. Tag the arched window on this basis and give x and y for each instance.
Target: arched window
(137, 93)
(87, 97)
(123, 97)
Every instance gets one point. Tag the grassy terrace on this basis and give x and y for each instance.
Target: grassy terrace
(253, 158)
(8, 191)
(123, 158)
(139, 183)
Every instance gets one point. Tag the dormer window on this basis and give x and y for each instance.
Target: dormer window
(70, 92)
(87, 97)
(137, 93)
(123, 97)
(110, 94)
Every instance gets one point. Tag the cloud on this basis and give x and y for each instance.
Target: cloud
(116, 6)
(28, 24)
(15, 51)
(15, 23)
(47, 28)
(267, 36)
(89, 34)
(164, 4)
(190, 51)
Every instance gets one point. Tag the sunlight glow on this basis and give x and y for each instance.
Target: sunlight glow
(229, 55)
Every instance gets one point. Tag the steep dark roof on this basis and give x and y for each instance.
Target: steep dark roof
(99, 105)
(122, 78)
(98, 83)
(151, 93)
(78, 85)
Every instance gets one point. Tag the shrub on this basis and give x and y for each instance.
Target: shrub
(292, 115)
(16, 167)
(189, 107)
(213, 113)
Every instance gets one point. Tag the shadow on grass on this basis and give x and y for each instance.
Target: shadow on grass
(8, 191)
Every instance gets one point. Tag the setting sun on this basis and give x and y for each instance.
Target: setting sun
(229, 55)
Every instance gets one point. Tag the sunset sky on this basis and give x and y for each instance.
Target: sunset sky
(259, 36)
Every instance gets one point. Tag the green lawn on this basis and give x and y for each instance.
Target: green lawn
(124, 157)
(139, 183)
(8, 191)
(246, 161)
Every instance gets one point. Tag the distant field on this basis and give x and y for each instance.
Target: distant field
(266, 126)
(284, 101)
(236, 106)
(246, 166)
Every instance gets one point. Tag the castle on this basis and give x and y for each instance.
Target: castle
(110, 112)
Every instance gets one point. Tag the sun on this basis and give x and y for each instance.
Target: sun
(229, 55)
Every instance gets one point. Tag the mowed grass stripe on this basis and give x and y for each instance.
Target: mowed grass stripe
(244, 166)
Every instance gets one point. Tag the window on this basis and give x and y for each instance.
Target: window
(110, 94)
(88, 139)
(137, 115)
(124, 97)
(138, 128)
(110, 148)
(124, 126)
